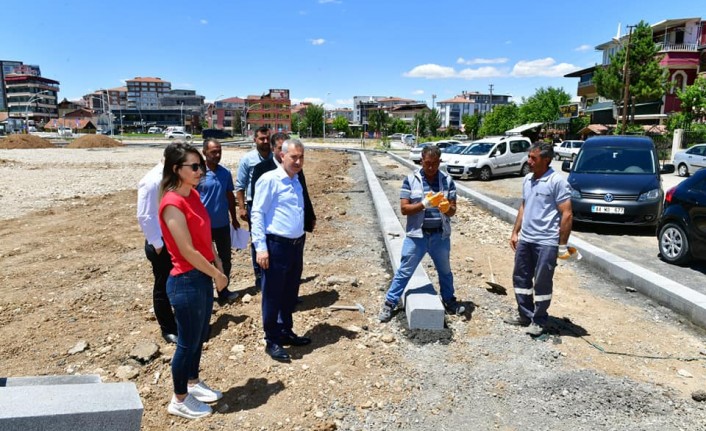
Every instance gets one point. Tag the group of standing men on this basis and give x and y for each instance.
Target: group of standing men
(278, 219)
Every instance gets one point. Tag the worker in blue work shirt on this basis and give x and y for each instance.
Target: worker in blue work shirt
(540, 235)
(428, 199)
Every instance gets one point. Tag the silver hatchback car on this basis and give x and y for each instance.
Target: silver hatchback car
(691, 160)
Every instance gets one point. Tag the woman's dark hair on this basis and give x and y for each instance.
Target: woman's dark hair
(175, 155)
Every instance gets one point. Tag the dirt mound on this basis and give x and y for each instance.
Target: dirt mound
(24, 142)
(94, 141)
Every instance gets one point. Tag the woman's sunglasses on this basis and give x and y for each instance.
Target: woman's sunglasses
(195, 166)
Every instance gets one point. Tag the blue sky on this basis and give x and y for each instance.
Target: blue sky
(323, 51)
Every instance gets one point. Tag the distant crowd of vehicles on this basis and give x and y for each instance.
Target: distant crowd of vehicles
(614, 180)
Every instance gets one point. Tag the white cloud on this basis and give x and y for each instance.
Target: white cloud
(317, 42)
(431, 71)
(482, 72)
(434, 71)
(418, 92)
(546, 67)
(203, 21)
(344, 102)
(583, 48)
(472, 61)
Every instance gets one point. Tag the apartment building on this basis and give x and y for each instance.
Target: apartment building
(681, 42)
(225, 114)
(272, 110)
(468, 103)
(144, 92)
(31, 97)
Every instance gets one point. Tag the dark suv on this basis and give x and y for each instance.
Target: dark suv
(681, 230)
(617, 180)
(215, 133)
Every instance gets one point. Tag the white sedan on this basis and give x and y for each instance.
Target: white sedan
(567, 150)
(689, 161)
(176, 134)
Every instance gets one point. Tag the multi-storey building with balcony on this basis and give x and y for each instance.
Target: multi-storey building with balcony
(226, 114)
(272, 110)
(346, 113)
(467, 103)
(144, 93)
(31, 97)
(681, 42)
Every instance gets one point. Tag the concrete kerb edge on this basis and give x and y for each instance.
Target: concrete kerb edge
(669, 293)
(422, 305)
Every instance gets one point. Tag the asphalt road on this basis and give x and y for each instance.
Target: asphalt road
(637, 244)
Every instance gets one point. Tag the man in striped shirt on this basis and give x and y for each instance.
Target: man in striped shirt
(428, 199)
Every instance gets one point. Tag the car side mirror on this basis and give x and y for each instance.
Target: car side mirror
(667, 168)
(566, 166)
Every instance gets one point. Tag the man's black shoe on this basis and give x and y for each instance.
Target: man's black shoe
(228, 298)
(294, 340)
(169, 338)
(277, 352)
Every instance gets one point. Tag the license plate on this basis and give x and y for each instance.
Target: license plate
(607, 210)
(454, 170)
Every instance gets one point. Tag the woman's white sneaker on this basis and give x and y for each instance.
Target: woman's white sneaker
(203, 393)
(190, 408)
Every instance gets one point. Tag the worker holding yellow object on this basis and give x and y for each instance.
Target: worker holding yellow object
(433, 199)
(567, 252)
(444, 205)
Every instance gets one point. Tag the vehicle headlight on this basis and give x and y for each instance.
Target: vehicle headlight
(652, 195)
(575, 194)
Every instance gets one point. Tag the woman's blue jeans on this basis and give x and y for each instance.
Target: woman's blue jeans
(191, 295)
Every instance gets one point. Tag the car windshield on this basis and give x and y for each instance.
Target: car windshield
(615, 160)
(455, 149)
(576, 144)
(478, 149)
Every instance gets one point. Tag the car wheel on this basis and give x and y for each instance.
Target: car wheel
(525, 169)
(573, 156)
(673, 244)
(485, 173)
(557, 157)
(683, 170)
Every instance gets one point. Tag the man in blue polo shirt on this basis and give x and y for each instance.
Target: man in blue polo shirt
(216, 190)
(540, 235)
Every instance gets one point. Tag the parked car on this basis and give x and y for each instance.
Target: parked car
(178, 134)
(408, 139)
(460, 137)
(415, 154)
(453, 149)
(617, 180)
(567, 150)
(215, 133)
(492, 156)
(154, 129)
(689, 161)
(680, 234)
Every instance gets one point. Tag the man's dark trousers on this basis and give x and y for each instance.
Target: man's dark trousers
(280, 286)
(161, 265)
(221, 236)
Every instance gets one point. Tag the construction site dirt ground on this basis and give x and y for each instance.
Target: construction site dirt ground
(73, 269)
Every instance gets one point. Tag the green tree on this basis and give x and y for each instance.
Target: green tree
(543, 105)
(500, 119)
(297, 124)
(313, 120)
(398, 125)
(471, 124)
(340, 124)
(419, 124)
(647, 80)
(378, 120)
(433, 121)
(693, 102)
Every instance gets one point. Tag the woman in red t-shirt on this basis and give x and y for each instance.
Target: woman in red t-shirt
(186, 229)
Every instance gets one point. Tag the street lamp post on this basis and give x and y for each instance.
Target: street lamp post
(29, 102)
(181, 112)
(323, 107)
(626, 82)
(245, 115)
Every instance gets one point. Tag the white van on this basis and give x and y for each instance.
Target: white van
(488, 157)
(170, 129)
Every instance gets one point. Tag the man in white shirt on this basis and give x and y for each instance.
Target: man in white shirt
(155, 249)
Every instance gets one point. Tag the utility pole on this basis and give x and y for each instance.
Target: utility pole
(626, 81)
(433, 101)
(490, 87)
